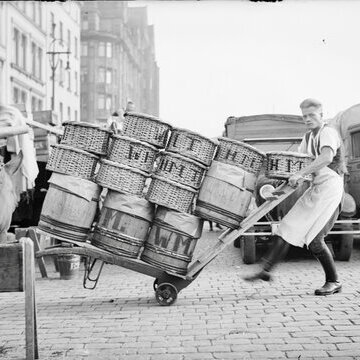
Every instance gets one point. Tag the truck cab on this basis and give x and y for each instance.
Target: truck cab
(280, 132)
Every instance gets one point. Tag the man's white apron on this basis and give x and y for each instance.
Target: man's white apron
(313, 209)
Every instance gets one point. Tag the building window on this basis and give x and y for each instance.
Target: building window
(68, 113)
(101, 49)
(23, 52)
(38, 13)
(76, 115)
(108, 76)
(33, 11)
(40, 104)
(85, 24)
(76, 47)
(61, 111)
(40, 56)
(33, 103)
(83, 74)
(16, 40)
(16, 93)
(61, 69)
(108, 102)
(101, 75)
(69, 80)
(84, 49)
(109, 50)
(52, 25)
(69, 40)
(23, 97)
(101, 102)
(76, 83)
(61, 32)
(33, 59)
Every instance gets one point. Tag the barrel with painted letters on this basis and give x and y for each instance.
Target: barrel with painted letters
(225, 194)
(172, 240)
(124, 224)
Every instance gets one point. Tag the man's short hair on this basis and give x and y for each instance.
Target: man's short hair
(309, 103)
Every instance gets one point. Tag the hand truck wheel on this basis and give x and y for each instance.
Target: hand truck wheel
(166, 294)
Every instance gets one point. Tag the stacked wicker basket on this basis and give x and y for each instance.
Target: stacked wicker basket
(70, 204)
(230, 182)
(176, 180)
(126, 215)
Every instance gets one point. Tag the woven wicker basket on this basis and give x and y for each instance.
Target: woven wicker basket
(282, 164)
(131, 152)
(146, 128)
(192, 145)
(180, 169)
(170, 194)
(240, 154)
(121, 178)
(85, 136)
(71, 161)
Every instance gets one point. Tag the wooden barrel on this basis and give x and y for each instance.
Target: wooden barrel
(69, 207)
(124, 224)
(225, 194)
(172, 240)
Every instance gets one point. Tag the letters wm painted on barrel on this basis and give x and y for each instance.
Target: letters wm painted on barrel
(120, 221)
(181, 244)
(135, 154)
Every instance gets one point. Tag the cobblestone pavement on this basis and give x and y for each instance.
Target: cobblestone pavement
(218, 316)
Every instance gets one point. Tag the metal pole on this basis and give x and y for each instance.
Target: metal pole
(53, 68)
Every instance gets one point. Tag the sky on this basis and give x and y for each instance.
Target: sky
(238, 58)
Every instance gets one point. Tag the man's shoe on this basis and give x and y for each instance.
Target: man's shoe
(329, 288)
(262, 275)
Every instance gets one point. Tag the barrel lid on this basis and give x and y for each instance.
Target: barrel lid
(213, 141)
(161, 178)
(86, 124)
(115, 164)
(130, 139)
(71, 148)
(146, 116)
(224, 139)
(185, 158)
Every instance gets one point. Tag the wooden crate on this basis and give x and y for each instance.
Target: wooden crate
(11, 267)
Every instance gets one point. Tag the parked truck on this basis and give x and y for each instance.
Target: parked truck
(280, 132)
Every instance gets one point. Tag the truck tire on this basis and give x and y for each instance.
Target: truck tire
(343, 244)
(248, 249)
